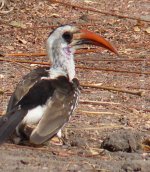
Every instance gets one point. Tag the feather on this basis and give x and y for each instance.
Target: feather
(58, 112)
(25, 85)
(54, 118)
(9, 122)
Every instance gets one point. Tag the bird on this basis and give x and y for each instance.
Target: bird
(47, 96)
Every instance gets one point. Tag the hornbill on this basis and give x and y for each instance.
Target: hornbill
(47, 97)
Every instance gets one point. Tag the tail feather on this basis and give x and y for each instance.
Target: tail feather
(9, 122)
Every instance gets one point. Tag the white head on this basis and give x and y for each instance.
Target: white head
(61, 53)
(61, 46)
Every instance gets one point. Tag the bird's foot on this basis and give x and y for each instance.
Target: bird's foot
(57, 141)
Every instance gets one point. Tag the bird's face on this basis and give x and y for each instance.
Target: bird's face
(69, 38)
(63, 42)
(59, 43)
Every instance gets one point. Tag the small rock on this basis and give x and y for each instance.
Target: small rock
(24, 162)
(122, 140)
(147, 30)
(137, 29)
(33, 65)
(1, 76)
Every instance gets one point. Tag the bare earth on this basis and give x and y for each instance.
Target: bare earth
(111, 135)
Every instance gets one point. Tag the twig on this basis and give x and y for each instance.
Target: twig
(79, 67)
(24, 61)
(98, 11)
(139, 93)
(110, 126)
(97, 113)
(85, 50)
(97, 102)
(112, 59)
(112, 70)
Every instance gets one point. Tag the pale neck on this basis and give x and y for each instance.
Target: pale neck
(63, 64)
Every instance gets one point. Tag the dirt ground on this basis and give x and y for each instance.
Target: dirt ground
(110, 130)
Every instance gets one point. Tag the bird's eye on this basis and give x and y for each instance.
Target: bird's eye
(67, 37)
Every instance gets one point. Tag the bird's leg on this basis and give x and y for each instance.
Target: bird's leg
(61, 138)
(57, 139)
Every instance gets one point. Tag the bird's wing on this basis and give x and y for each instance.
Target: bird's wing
(23, 99)
(58, 93)
(37, 95)
(25, 84)
(56, 115)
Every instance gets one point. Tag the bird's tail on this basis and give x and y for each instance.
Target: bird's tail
(9, 122)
